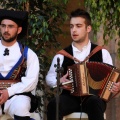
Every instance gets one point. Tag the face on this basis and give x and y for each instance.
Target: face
(9, 30)
(78, 29)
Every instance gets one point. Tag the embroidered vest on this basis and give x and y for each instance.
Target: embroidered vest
(19, 68)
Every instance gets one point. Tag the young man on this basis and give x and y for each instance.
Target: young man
(80, 27)
(18, 64)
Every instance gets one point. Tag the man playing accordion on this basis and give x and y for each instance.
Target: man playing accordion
(80, 48)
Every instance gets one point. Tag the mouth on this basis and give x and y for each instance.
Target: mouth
(6, 35)
(74, 36)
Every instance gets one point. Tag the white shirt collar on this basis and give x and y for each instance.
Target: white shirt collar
(76, 49)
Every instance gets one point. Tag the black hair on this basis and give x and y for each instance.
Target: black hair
(81, 13)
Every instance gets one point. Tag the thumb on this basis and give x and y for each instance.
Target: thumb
(65, 76)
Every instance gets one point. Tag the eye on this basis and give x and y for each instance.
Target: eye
(79, 25)
(11, 26)
(71, 26)
(3, 26)
(8, 26)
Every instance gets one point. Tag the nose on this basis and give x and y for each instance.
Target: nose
(6, 28)
(74, 29)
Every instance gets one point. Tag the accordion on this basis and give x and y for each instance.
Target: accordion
(93, 78)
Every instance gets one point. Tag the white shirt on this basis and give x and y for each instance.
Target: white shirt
(80, 55)
(30, 80)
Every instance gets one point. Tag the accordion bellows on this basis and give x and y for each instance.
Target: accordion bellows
(93, 78)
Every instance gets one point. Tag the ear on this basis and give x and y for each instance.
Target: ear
(89, 28)
(19, 30)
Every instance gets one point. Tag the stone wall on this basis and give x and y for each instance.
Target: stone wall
(113, 106)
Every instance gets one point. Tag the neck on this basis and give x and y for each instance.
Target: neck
(7, 44)
(79, 46)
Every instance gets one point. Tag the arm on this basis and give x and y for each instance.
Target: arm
(51, 75)
(29, 81)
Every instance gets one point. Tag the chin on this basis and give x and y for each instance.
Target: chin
(75, 40)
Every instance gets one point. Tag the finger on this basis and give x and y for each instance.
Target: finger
(65, 76)
(115, 89)
(117, 84)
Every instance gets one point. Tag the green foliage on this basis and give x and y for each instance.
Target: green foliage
(45, 19)
(106, 13)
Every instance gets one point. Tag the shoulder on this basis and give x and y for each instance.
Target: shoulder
(107, 57)
(31, 52)
(105, 51)
(68, 48)
(93, 45)
(60, 56)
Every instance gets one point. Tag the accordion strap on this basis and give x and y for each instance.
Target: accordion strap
(95, 50)
(63, 52)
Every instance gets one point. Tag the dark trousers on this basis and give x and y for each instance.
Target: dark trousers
(92, 105)
(21, 118)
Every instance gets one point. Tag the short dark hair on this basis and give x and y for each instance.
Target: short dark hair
(81, 13)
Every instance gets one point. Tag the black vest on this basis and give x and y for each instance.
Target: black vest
(68, 62)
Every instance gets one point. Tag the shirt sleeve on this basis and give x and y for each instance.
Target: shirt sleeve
(51, 75)
(106, 57)
(29, 81)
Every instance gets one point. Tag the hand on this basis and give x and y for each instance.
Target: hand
(64, 79)
(116, 88)
(3, 96)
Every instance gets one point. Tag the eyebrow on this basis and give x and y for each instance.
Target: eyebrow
(7, 24)
(77, 24)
